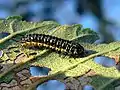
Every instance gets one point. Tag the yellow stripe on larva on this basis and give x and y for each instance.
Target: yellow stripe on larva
(45, 45)
(29, 44)
(63, 50)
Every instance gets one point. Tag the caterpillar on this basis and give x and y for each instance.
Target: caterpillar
(66, 47)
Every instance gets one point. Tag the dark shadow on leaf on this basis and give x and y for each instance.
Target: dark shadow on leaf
(3, 34)
(89, 52)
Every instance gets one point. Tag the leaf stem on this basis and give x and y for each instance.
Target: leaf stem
(18, 32)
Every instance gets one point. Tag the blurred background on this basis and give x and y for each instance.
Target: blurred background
(100, 15)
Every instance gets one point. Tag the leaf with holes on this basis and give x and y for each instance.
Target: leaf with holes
(17, 59)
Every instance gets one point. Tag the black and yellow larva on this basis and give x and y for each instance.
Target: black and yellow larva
(66, 47)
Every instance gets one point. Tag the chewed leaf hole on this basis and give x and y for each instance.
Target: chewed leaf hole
(51, 85)
(88, 87)
(105, 61)
(3, 34)
(1, 53)
(39, 71)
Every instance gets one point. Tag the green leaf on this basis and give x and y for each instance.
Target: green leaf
(14, 17)
(60, 66)
(86, 35)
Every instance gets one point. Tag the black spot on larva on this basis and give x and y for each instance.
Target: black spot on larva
(73, 49)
